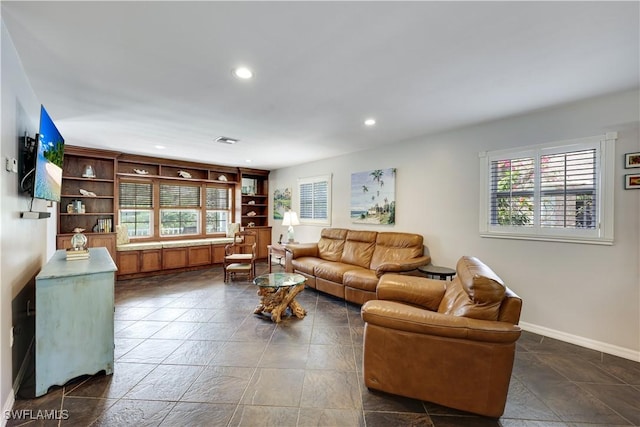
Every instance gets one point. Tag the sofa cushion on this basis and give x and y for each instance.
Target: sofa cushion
(392, 246)
(476, 292)
(332, 271)
(358, 248)
(306, 264)
(331, 243)
(361, 278)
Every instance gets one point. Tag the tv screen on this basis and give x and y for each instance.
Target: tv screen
(48, 168)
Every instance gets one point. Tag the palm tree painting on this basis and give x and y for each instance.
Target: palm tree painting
(373, 197)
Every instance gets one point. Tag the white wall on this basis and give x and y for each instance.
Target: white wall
(24, 243)
(586, 294)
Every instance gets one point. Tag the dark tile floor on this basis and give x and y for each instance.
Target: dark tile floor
(190, 352)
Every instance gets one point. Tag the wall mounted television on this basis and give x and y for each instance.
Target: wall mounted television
(42, 161)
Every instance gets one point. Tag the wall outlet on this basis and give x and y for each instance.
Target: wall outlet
(11, 337)
(12, 165)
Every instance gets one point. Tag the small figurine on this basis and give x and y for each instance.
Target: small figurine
(141, 171)
(222, 178)
(184, 174)
(87, 193)
(252, 213)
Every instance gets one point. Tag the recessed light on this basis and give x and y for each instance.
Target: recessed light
(243, 73)
(370, 122)
(248, 160)
(226, 140)
(160, 147)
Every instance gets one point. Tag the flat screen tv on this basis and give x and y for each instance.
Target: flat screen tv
(48, 162)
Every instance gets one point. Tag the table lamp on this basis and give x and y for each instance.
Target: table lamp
(290, 219)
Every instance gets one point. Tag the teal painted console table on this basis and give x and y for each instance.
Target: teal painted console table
(74, 318)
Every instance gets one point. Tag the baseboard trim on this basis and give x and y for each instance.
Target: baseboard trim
(7, 407)
(614, 350)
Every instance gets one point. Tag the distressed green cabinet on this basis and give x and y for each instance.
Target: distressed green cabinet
(74, 318)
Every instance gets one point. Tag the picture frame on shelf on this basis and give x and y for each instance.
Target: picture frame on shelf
(632, 181)
(632, 160)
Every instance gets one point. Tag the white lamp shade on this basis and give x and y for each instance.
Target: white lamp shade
(290, 218)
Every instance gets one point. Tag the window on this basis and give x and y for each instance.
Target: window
(315, 200)
(218, 209)
(179, 209)
(136, 208)
(559, 191)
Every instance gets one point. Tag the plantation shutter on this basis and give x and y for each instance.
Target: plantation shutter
(568, 191)
(135, 195)
(314, 200)
(512, 191)
(182, 196)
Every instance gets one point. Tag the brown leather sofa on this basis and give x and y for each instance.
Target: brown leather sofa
(349, 263)
(451, 343)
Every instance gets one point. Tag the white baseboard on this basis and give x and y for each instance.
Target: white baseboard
(7, 407)
(615, 350)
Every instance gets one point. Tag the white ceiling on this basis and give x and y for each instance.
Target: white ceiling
(132, 75)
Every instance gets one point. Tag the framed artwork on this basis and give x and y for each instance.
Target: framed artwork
(373, 198)
(281, 202)
(632, 160)
(632, 182)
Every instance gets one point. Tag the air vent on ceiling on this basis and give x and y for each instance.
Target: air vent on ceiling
(226, 140)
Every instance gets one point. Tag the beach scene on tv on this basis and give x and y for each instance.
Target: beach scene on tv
(48, 179)
(373, 197)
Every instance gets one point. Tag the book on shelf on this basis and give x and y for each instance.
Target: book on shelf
(104, 225)
(77, 254)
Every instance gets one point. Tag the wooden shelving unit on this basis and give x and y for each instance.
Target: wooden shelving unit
(254, 209)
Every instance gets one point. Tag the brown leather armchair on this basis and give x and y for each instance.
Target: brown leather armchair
(451, 343)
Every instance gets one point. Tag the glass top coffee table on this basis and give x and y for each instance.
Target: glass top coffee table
(277, 292)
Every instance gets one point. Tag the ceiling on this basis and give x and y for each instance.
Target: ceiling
(130, 76)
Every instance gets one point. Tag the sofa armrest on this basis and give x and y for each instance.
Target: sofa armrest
(413, 290)
(298, 250)
(402, 265)
(402, 317)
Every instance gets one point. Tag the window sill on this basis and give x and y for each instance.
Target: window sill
(563, 239)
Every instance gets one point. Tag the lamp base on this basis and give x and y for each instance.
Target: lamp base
(290, 237)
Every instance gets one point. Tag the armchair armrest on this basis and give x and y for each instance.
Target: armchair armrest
(402, 317)
(417, 291)
(402, 265)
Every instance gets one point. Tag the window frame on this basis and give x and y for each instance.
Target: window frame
(198, 221)
(208, 210)
(602, 234)
(315, 180)
(138, 208)
(156, 208)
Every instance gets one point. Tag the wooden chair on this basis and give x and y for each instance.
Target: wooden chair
(239, 258)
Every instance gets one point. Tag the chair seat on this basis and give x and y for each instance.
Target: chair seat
(239, 257)
(239, 267)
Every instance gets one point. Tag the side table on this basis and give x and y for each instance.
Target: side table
(277, 251)
(434, 270)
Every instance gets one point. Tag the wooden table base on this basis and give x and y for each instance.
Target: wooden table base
(276, 301)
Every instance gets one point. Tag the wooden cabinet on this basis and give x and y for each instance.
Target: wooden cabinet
(199, 255)
(263, 241)
(150, 260)
(74, 321)
(88, 197)
(94, 240)
(217, 254)
(174, 258)
(128, 262)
